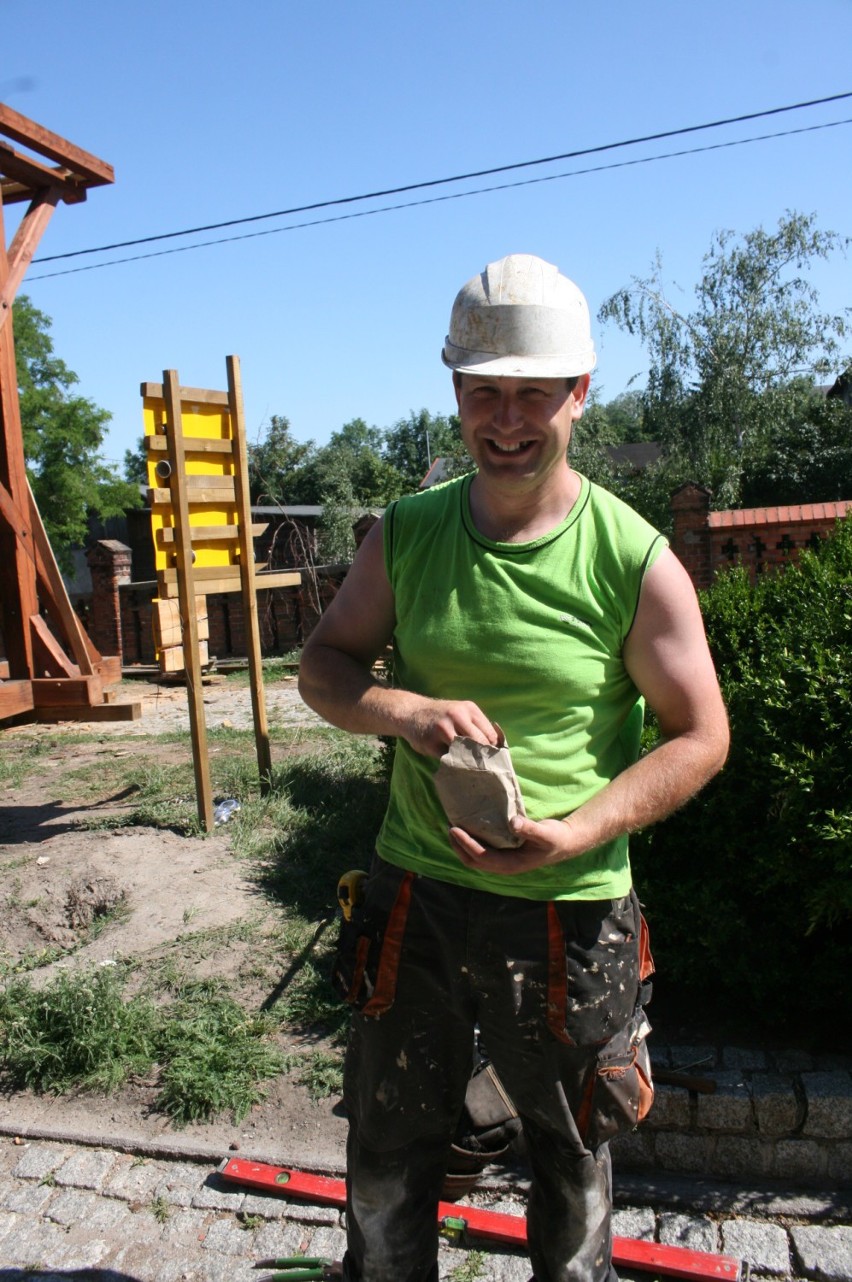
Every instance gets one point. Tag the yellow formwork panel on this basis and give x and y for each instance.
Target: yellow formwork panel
(199, 422)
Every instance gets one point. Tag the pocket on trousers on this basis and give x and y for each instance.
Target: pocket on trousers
(620, 1091)
(366, 964)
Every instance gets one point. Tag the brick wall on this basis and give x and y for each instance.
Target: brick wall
(759, 538)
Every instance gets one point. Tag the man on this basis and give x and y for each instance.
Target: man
(524, 598)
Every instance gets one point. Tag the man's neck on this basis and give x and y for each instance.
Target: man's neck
(516, 515)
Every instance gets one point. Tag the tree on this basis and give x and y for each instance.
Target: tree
(278, 466)
(725, 373)
(413, 444)
(63, 435)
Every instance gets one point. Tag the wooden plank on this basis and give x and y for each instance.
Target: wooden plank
(37, 178)
(212, 533)
(248, 575)
(41, 140)
(218, 587)
(62, 692)
(16, 697)
(23, 246)
(100, 712)
(55, 595)
(216, 495)
(4, 670)
(205, 573)
(48, 655)
(17, 563)
(188, 396)
(186, 587)
(192, 445)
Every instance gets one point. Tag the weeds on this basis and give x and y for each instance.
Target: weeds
(321, 1072)
(160, 1209)
(471, 1268)
(78, 1031)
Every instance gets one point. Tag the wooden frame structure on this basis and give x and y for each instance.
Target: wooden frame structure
(177, 489)
(52, 669)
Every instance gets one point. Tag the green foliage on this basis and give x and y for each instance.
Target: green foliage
(213, 1057)
(732, 372)
(750, 883)
(80, 1031)
(62, 435)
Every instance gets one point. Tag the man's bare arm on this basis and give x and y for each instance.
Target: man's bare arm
(335, 673)
(666, 654)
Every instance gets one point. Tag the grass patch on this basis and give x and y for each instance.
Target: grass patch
(80, 1032)
(321, 1072)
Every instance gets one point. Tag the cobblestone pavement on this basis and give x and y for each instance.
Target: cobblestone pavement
(74, 1212)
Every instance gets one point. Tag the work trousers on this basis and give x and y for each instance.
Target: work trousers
(554, 989)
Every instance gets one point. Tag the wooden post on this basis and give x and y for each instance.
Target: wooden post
(186, 598)
(247, 572)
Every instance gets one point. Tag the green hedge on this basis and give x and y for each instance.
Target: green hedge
(747, 888)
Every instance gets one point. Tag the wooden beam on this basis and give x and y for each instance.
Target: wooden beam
(63, 692)
(99, 712)
(186, 595)
(36, 177)
(17, 564)
(16, 697)
(218, 587)
(23, 246)
(212, 533)
(192, 445)
(48, 655)
(211, 494)
(41, 140)
(55, 596)
(188, 396)
(247, 575)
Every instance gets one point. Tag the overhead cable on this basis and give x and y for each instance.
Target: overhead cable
(434, 200)
(438, 182)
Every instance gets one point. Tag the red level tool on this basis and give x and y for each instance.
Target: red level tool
(494, 1226)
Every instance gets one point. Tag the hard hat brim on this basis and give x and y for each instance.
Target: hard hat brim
(551, 365)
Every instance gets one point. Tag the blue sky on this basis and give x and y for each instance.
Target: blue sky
(210, 112)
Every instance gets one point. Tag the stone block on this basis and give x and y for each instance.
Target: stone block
(275, 1240)
(694, 1232)
(777, 1108)
(684, 1153)
(634, 1151)
(638, 1222)
(39, 1161)
(671, 1109)
(729, 1108)
(134, 1181)
(329, 1241)
(794, 1061)
(839, 1164)
(764, 1247)
(829, 1103)
(213, 1196)
(740, 1057)
(71, 1206)
(740, 1155)
(86, 1169)
(228, 1237)
(702, 1059)
(26, 1199)
(186, 1227)
(181, 1181)
(800, 1160)
(824, 1253)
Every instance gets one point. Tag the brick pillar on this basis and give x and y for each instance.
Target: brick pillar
(690, 505)
(109, 564)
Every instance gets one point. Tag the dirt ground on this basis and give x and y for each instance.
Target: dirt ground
(65, 860)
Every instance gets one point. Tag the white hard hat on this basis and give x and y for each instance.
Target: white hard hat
(520, 318)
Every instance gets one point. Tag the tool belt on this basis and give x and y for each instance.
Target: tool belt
(487, 1126)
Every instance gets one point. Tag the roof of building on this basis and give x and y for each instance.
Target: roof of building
(796, 513)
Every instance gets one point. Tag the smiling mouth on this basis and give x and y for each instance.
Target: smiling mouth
(513, 447)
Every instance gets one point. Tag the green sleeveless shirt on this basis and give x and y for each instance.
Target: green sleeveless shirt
(533, 634)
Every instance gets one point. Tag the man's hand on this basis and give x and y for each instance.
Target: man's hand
(548, 842)
(433, 724)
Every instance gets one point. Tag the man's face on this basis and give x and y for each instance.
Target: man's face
(518, 429)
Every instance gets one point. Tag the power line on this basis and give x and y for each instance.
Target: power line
(438, 182)
(434, 200)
